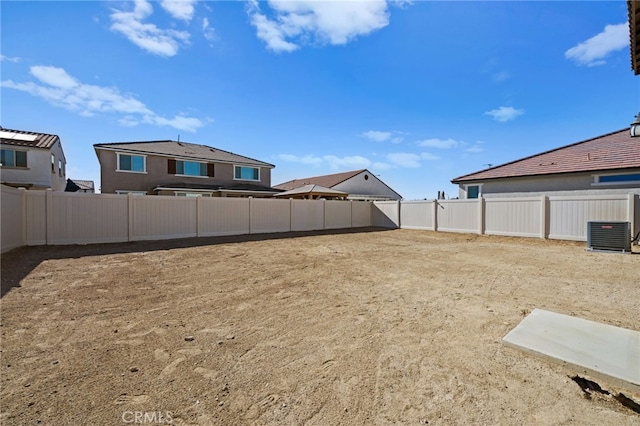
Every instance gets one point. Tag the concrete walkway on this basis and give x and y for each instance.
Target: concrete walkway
(604, 350)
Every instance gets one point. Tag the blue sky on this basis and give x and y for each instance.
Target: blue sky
(416, 92)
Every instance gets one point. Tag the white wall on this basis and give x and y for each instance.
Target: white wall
(359, 186)
(38, 172)
(51, 217)
(554, 217)
(12, 212)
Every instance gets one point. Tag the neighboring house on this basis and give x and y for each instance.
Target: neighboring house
(359, 184)
(313, 192)
(32, 160)
(77, 185)
(610, 162)
(180, 168)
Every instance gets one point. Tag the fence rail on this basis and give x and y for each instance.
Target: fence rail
(553, 217)
(51, 218)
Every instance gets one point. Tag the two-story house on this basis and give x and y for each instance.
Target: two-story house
(32, 160)
(182, 169)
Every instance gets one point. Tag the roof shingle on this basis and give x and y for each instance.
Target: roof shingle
(613, 151)
(328, 181)
(182, 150)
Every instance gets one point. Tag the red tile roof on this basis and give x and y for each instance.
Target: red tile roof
(328, 181)
(616, 150)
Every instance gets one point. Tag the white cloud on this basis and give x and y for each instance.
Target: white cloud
(9, 59)
(330, 161)
(207, 31)
(504, 114)
(60, 89)
(405, 159)
(429, 157)
(440, 143)
(475, 148)
(179, 9)
(593, 51)
(381, 166)
(299, 22)
(378, 136)
(162, 42)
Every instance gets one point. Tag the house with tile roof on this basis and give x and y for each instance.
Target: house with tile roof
(180, 168)
(359, 184)
(32, 160)
(609, 162)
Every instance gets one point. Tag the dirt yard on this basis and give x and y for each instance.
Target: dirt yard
(350, 328)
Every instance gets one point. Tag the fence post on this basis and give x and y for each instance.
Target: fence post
(250, 212)
(631, 197)
(290, 214)
(48, 208)
(544, 217)
(399, 208)
(351, 207)
(130, 215)
(481, 218)
(23, 199)
(435, 215)
(198, 216)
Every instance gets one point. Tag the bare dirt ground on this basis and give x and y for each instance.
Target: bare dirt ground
(349, 328)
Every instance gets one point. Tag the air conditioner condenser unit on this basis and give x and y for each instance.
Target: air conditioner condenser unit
(609, 236)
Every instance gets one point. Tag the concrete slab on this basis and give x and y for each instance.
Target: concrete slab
(603, 350)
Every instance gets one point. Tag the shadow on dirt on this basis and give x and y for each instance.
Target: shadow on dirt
(16, 264)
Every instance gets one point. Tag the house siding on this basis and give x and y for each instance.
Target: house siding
(358, 185)
(157, 174)
(38, 172)
(576, 183)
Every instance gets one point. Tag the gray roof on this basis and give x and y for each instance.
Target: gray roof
(26, 138)
(84, 184)
(182, 150)
(313, 189)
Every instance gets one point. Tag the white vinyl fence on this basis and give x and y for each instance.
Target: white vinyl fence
(51, 217)
(553, 217)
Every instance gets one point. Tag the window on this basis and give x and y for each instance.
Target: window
(246, 173)
(12, 158)
(192, 194)
(125, 192)
(620, 179)
(191, 168)
(473, 191)
(131, 163)
(60, 168)
(53, 163)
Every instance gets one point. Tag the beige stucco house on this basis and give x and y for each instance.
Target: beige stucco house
(359, 184)
(32, 160)
(609, 162)
(182, 169)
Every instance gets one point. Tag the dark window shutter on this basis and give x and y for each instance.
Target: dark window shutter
(171, 166)
(210, 169)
